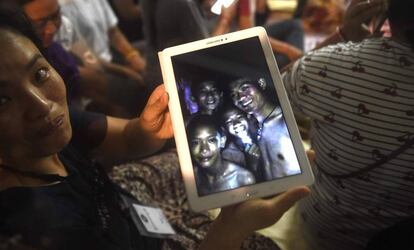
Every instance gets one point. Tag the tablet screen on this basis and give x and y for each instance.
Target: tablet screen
(235, 126)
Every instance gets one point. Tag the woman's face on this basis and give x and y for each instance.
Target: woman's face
(34, 118)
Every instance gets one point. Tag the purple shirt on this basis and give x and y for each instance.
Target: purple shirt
(65, 64)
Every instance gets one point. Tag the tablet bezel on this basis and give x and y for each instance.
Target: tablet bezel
(199, 203)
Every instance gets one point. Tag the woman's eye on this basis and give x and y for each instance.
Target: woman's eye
(42, 75)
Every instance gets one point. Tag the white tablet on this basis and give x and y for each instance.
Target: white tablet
(234, 128)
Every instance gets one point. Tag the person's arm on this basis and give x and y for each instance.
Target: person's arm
(236, 222)
(123, 46)
(126, 139)
(127, 9)
(280, 47)
(93, 67)
(123, 71)
(226, 18)
(352, 29)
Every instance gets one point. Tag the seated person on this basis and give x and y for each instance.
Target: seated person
(213, 173)
(51, 194)
(115, 89)
(242, 146)
(359, 95)
(273, 138)
(286, 37)
(208, 96)
(97, 23)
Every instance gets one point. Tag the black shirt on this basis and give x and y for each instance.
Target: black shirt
(81, 212)
(169, 23)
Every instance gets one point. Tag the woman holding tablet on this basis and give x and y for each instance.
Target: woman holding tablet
(51, 194)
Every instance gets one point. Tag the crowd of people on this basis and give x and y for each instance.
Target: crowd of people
(79, 91)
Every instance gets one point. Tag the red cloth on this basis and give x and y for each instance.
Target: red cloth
(244, 7)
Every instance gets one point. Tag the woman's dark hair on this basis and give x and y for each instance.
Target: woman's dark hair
(400, 14)
(12, 17)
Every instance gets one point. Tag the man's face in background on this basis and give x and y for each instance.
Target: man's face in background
(45, 17)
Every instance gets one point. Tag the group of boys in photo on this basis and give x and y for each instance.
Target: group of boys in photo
(237, 134)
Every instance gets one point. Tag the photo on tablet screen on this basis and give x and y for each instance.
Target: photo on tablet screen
(236, 131)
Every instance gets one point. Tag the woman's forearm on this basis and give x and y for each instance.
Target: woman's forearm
(222, 236)
(139, 142)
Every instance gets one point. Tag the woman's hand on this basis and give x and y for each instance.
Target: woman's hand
(358, 13)
(155, 118)
(131, 139)
(238, 221)
(256, 214)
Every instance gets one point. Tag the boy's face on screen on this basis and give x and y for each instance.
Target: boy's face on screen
(209, 96)
(205, 146)
(246, 96)
(236, 123)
